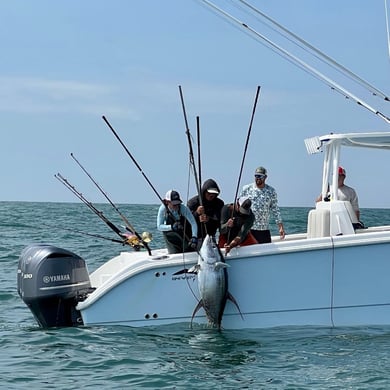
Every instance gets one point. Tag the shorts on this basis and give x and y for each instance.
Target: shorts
(262, 236)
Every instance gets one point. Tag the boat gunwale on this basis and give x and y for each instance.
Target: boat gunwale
(281, 247)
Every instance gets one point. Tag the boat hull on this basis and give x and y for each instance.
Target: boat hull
(329, 281)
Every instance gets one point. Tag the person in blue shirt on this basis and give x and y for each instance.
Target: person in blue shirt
(178, 225)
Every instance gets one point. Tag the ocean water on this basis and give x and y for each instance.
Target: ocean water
(168, 357)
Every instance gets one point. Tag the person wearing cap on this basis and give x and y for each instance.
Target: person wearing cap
(346, 193)
(236, 223)
(207, 210)
(176, 222)
(264, 203)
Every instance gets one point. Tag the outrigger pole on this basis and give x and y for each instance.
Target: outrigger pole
(129, 226)
(319, 54)
(298, 62)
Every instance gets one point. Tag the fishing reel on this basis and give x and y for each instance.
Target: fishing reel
(135, 242)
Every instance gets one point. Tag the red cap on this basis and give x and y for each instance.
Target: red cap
(341, 171)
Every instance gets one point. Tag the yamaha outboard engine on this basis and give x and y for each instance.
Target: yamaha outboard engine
(51, 281)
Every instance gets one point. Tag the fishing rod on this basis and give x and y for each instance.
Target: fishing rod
(129, 226)
(100, 214)
(79, 195)
(139, 168)
(298, 41)
(244, 155)
(247, 142)
(191, 151)
(296, 61)
(199, 159)
(132, 158)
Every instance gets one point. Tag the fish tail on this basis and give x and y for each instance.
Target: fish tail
(197, 307)
(233, 300)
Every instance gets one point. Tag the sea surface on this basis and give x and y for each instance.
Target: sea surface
(167, 357)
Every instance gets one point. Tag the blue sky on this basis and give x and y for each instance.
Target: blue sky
(65, 64)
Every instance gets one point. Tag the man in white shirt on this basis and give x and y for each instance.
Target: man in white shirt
(348, 193)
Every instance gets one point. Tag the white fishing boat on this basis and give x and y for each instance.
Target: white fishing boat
(331, 275)
(334, 274)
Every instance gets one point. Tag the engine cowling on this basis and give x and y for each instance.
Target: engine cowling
(51, 281)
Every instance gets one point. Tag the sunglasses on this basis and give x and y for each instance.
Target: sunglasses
(261, 177)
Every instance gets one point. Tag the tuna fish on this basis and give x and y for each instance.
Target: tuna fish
(212, 282)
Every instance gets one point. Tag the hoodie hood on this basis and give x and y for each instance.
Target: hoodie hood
(210, 185)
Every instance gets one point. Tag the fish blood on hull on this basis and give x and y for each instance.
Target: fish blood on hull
(212, 282)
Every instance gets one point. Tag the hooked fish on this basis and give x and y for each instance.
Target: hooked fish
(212, 282)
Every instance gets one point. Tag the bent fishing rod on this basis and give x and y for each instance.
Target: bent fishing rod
(129, 226)
(100, 214)
(140, 169)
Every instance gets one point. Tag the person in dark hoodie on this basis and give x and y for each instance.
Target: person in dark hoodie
(207, 211)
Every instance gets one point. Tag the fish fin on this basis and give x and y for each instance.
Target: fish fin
(182, 271)
(233, 300)
(197, 307)
(192, 270)
(220, 264)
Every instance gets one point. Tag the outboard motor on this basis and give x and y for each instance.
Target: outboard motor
(51, 281)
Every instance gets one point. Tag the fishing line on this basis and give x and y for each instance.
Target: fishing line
(193, 167)
(143, 174)
(183, 256)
